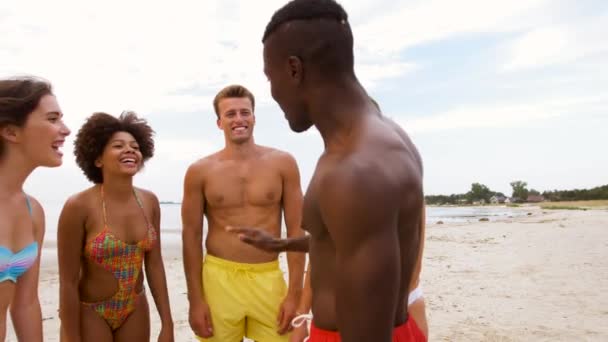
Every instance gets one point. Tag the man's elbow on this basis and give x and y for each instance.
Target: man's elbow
(191, 235)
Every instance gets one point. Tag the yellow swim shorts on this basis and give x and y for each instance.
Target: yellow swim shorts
(244, 299)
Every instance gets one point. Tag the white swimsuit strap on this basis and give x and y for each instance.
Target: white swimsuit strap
(414, 295)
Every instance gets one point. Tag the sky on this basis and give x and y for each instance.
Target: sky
(489, 91)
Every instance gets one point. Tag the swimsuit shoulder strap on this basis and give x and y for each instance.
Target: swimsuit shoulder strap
(30, 210)
(103, 207)
(141, 206)
(28, 203)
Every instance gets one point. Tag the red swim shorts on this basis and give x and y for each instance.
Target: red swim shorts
(406, 332)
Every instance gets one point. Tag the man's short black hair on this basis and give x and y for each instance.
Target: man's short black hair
(316, 31)
(305, 10)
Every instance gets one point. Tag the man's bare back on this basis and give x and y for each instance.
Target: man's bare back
(382, 162)
(242, 192)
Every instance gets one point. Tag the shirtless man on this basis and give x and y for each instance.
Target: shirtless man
(364, 204)
(240, 290)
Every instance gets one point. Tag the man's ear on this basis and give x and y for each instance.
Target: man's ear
(218, 123)
(295, 68)
(10, 133)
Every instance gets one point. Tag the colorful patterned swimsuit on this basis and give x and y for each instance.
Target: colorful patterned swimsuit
(124, 261)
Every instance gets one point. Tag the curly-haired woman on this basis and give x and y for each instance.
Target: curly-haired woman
(31, 135)
(107, 233)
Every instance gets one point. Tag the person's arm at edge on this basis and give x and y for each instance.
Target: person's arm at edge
(70, 238)
(306, 298)
(155, 271)
(292, 209)
(26, 313)
(367, 253)
(416, 275)
(299, 333)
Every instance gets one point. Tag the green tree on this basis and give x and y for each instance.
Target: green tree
(479, 192)
(520, 189)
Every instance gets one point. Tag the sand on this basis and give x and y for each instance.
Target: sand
(542, 277)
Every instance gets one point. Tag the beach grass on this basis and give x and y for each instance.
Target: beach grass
(562, 207)
(575, 205)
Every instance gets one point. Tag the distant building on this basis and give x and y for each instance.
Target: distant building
(535, 198)
(496, 199)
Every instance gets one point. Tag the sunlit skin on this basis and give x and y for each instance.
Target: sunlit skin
(37, 143)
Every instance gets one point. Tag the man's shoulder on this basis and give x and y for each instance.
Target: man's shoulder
(204, 162)
(276, 157)
(272, 152)
(362, 171)
(401, 140)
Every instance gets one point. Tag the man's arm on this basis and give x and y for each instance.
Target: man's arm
(192, 232)
(292, 208)
(361, 218)
(193, 207)
(261, 239)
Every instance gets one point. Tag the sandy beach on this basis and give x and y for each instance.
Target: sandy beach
(540, 277)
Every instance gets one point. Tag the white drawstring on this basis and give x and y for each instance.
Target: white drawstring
(297, 322)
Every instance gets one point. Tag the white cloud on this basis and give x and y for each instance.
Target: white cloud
(504, 116)
(554, 45)
(420, 22)
(371, 74)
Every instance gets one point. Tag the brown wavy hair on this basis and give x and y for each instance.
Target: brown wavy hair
(19, 97)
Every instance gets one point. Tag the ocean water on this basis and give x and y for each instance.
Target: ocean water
(171, 217)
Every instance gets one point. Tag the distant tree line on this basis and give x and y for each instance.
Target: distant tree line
(597, 193)
(480, 193)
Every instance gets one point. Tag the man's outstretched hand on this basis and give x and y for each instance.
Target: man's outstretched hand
(259, 239)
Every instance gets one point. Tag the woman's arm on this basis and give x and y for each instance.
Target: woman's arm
(25, 307)
(70, 242)
(155, 272)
